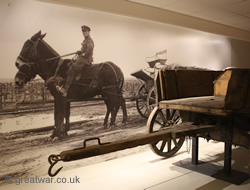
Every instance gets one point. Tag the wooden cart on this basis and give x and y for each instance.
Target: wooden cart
(228, 109)
(211, 104)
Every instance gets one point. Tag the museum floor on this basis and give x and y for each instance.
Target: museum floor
(148, 171)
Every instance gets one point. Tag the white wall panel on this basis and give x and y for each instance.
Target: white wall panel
(123, 40)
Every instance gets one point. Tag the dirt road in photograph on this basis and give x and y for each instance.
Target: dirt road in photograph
(25, 153)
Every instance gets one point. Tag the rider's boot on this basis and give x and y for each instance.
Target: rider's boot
(64, 90)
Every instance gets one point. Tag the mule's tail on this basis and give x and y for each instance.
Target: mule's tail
(120, 86)
(122, 99)
(123, 104)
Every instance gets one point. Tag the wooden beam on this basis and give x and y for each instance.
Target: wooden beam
(207, 104)
(184, 129)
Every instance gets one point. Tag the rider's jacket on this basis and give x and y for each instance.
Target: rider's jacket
(87, 49)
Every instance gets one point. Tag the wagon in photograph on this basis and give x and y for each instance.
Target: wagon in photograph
(145, 96)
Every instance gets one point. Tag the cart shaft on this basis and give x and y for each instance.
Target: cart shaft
(175, 131)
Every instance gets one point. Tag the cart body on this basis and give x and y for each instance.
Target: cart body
(197, 97)
(205, 99)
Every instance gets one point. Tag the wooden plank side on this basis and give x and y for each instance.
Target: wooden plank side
(249, 160)
(162, 76)
(162, 84)
(167, 85)
(157, 87)
(247, 102)
(221, 84)
(171, 88)
(237, 89)
(216, 74)
(176, 84)
(209, 104)
(192, 83)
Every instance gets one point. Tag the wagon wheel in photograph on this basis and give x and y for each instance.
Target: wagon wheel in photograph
(161, 119)
(151, 100)
(144, 100)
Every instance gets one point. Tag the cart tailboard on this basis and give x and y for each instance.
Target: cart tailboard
(238, 90)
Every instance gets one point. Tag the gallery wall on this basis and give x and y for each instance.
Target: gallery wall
(137, 10)
(124, 40)
(240, 53)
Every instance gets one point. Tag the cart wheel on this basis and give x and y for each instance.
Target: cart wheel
(141, 101)
(151, 98)
(158, 120)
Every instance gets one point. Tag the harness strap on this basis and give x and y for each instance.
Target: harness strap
(50, 59)
(22, 59)
(60, 62)
(113, 70)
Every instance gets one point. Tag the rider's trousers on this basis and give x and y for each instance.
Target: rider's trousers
(76, 67)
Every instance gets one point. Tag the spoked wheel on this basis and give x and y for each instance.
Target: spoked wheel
(151, 100)
(161, 119)
(141, 101)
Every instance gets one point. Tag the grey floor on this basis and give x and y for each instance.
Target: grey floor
(148, 171)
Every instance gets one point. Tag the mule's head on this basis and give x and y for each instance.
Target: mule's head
(27, 60)
(25, 73)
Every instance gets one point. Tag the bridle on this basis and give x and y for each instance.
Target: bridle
(32, 51)
(30, 60)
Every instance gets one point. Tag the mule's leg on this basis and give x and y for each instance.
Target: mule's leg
(54, 133)
(105, 124)
(115, 107)
(113, 116)
(117, 102)
(57, 119)
(124, 110)
(67, 115)
(59, 130)
(61, 114)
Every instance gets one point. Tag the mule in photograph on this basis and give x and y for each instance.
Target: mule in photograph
(105, 79)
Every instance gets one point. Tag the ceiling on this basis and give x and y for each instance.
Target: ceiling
(234, 13)
(230, 18)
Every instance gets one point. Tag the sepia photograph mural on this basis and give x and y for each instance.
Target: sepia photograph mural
(42, 43)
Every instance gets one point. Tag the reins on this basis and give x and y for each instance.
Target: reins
(60, 56)
(59, 63)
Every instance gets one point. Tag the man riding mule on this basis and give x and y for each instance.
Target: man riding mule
(85, 58)
(39, 58)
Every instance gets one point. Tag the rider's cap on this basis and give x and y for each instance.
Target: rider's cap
(85, 28)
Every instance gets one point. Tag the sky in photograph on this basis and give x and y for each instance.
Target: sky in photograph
(123, 40)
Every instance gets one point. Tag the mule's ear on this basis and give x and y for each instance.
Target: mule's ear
(36, 36)
(43, 35)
